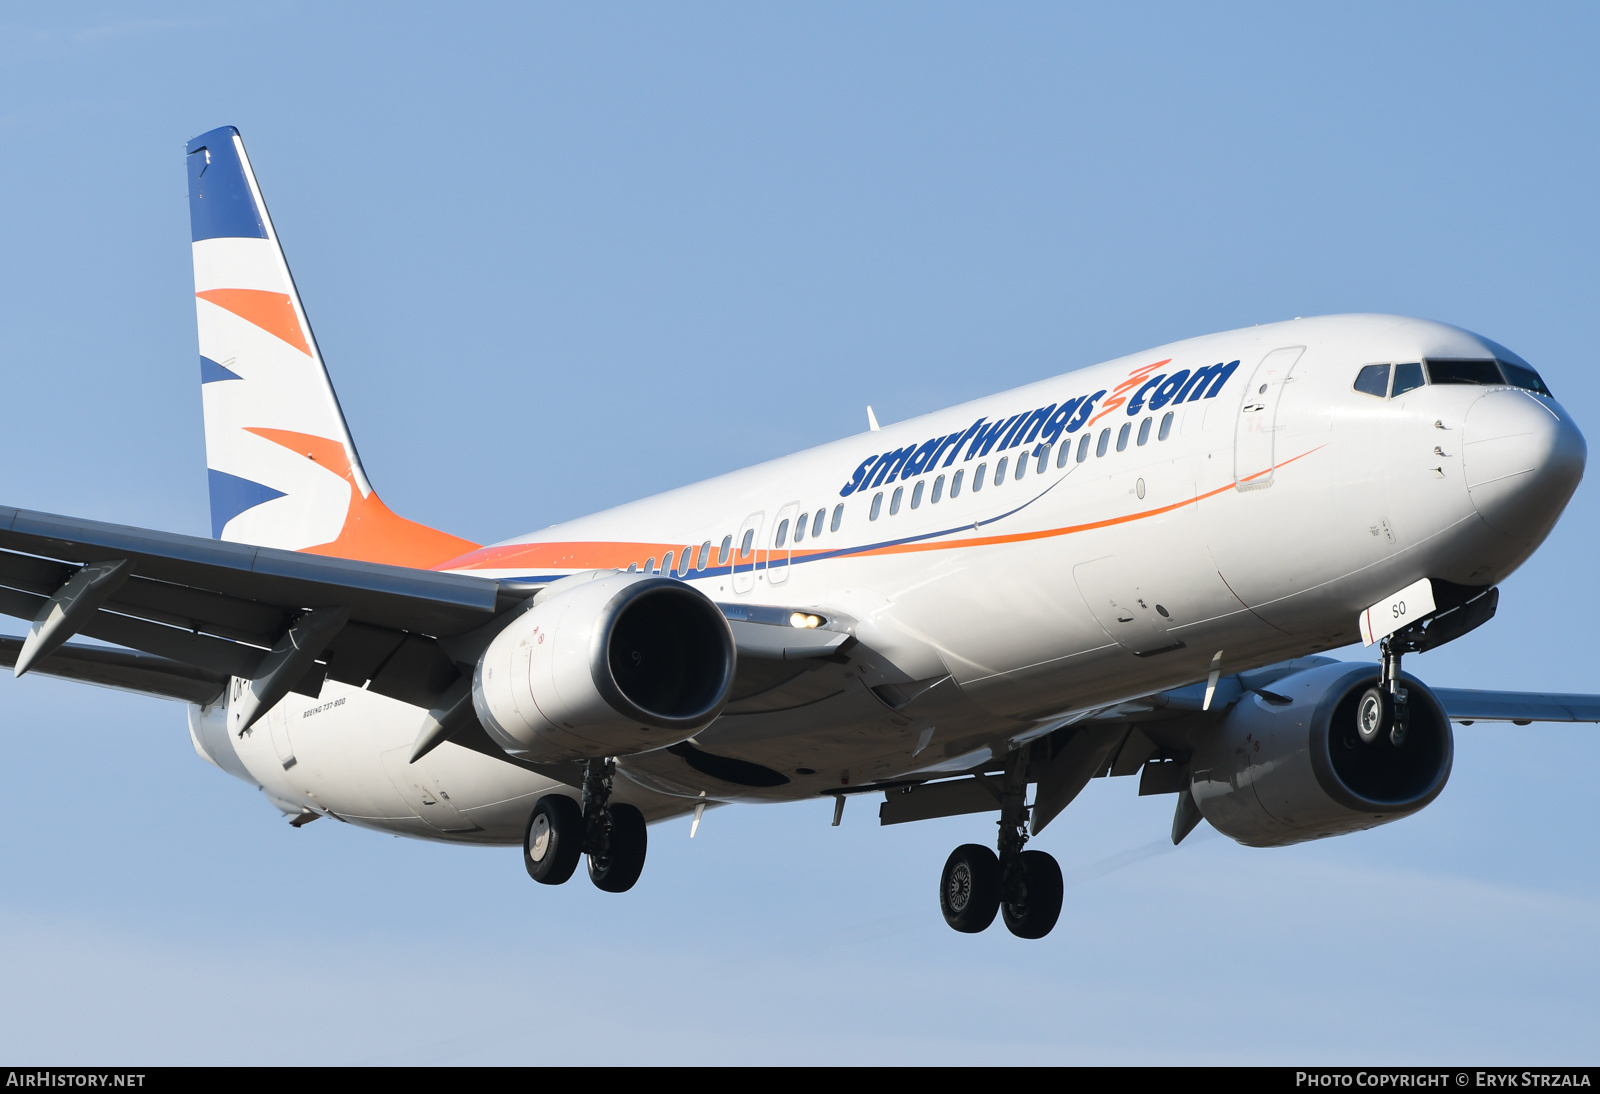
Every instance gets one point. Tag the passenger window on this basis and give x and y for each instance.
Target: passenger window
(1083, 448)
(816, 525)
(938, 489)
(955, 484)
(916, 494)
(649, 565)
(1122, 435)
(633, 567)
(1022, 465)
(838, 515)
(1525, 378)
(1066, 450)
(978, 476)
(1000, 470)
(1407, 377)
(705, 556)
(877, 505)
(800, 528)
(746, 543)
(1486, 373)
(1166, 426)
(666, 563)
(1104, 442)
(894, 502)
(783, 533)
(1373, 380)
(727, 545)
(1144, 431)
(684, 560)
(1044, 459)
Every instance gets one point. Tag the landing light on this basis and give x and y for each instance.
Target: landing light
(804, 621)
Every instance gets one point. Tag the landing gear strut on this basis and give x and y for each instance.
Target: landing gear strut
(1383, 706)
(1023, 886)
(559, 832)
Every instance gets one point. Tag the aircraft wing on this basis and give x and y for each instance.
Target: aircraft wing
(199, 611)
(1467, 706)
(226, 608)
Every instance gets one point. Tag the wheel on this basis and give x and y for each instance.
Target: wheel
(1037, 905)
(1373, 714)
(969, 888)
(620, 866)
(553, 842)
(1402, 722)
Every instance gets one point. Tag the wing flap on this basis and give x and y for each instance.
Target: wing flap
(124, 670)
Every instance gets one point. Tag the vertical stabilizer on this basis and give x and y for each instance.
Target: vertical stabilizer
(282, 466)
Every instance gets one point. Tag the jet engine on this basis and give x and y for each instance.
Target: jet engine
(1287, 763)
(605, 664)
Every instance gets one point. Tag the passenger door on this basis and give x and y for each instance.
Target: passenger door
(1258, 419)
(744, 564)
(778, 559)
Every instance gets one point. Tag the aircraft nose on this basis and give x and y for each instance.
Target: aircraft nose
(1522, 459)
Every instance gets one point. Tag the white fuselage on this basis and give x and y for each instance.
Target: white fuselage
(1259, 523)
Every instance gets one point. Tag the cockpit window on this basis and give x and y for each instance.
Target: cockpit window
(1455, 371)
(1373, 380)
(1525, 378)
(1406, 377)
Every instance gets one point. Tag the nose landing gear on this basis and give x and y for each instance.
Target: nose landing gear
(1024, 887)
(559, 832)
(1383, 706)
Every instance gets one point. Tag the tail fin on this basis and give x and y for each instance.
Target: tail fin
(283, 469)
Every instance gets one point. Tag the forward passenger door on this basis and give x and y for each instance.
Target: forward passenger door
(1253, 449)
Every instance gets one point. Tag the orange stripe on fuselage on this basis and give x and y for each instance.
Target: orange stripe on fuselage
(578, 555)
(601, 555)
(273, 312)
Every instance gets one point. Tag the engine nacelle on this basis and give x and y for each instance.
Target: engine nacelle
(609, 665)
(1276, 771)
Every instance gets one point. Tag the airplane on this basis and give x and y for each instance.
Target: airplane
(1131, 569)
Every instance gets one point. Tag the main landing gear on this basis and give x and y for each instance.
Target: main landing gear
(1383, 706)
(1024, 887)
(560, 832)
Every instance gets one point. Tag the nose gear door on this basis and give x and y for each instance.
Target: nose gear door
(1253, 453)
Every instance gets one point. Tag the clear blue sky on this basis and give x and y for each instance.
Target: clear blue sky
(560, 257)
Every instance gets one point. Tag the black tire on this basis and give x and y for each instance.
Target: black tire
(1401, 722)
(623, 862)
(969, 888)
(1374, 714)
(553, 841)
(1038, 903)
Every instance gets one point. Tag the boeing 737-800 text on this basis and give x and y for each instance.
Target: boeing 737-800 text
(1129, 569)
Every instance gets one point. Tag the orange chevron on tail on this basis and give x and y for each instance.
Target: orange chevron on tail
(372, 532)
